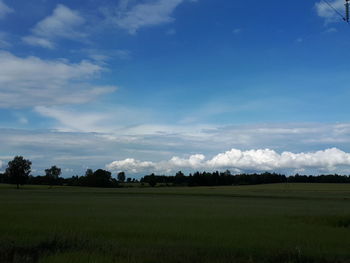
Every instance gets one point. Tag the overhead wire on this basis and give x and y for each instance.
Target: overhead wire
(335, 10)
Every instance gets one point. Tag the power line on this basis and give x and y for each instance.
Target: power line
(335, 10)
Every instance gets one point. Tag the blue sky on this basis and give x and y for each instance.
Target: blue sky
(166, 85)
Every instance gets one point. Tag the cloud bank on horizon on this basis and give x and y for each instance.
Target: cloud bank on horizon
(241, 161)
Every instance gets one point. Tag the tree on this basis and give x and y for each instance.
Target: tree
(53, 174)
(152, 180)
(18, 170)
(179, 178)
(100, 178)
(121, 177)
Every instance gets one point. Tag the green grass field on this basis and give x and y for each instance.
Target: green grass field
(267, 223)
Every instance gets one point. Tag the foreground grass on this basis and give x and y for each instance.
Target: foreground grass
(268, 223)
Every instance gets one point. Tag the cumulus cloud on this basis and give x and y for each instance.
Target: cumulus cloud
(237, 160)
(150, 13)
(4, 9)
(63, 23)
(31, 81)
(131, 165)
(194, 161)
(326, 12)
(267, 159)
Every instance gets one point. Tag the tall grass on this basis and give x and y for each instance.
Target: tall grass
(273, 223)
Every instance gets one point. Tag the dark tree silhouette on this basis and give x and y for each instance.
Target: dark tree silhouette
(179, 178)
(151, 180)
(18, 170)
(215, 178)
(121, 177)
(99, 178)
(53, 174)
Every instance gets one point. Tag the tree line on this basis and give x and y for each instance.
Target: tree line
(18, 172)
(19, 169)
(226, 178)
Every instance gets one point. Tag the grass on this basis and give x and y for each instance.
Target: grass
(266, 223)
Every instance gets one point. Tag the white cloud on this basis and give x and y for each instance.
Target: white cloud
(270, 160)
(132, 165)
(194, 161)
(326, 12)
(4, 9)
(237, 160)
(150, 13)
(63, 23)
(237, 31)
(32, 81)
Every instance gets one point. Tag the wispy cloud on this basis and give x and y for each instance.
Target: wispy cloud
(171, 32)
(4, 9)
(150, 13)
(331, 30)
(39, 41)
(73, 121)
(103, 121)
(299, 40)
(103, 56)
(237, 31)
(4, 42)
(32, 81)
(63, 23)
(126, 123)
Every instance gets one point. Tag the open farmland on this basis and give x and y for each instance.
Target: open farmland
(265, 223)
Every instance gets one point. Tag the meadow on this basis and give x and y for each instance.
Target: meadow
(263, 223)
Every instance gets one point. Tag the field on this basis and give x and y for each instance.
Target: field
(266, 223)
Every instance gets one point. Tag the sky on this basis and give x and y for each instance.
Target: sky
(165, 85)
